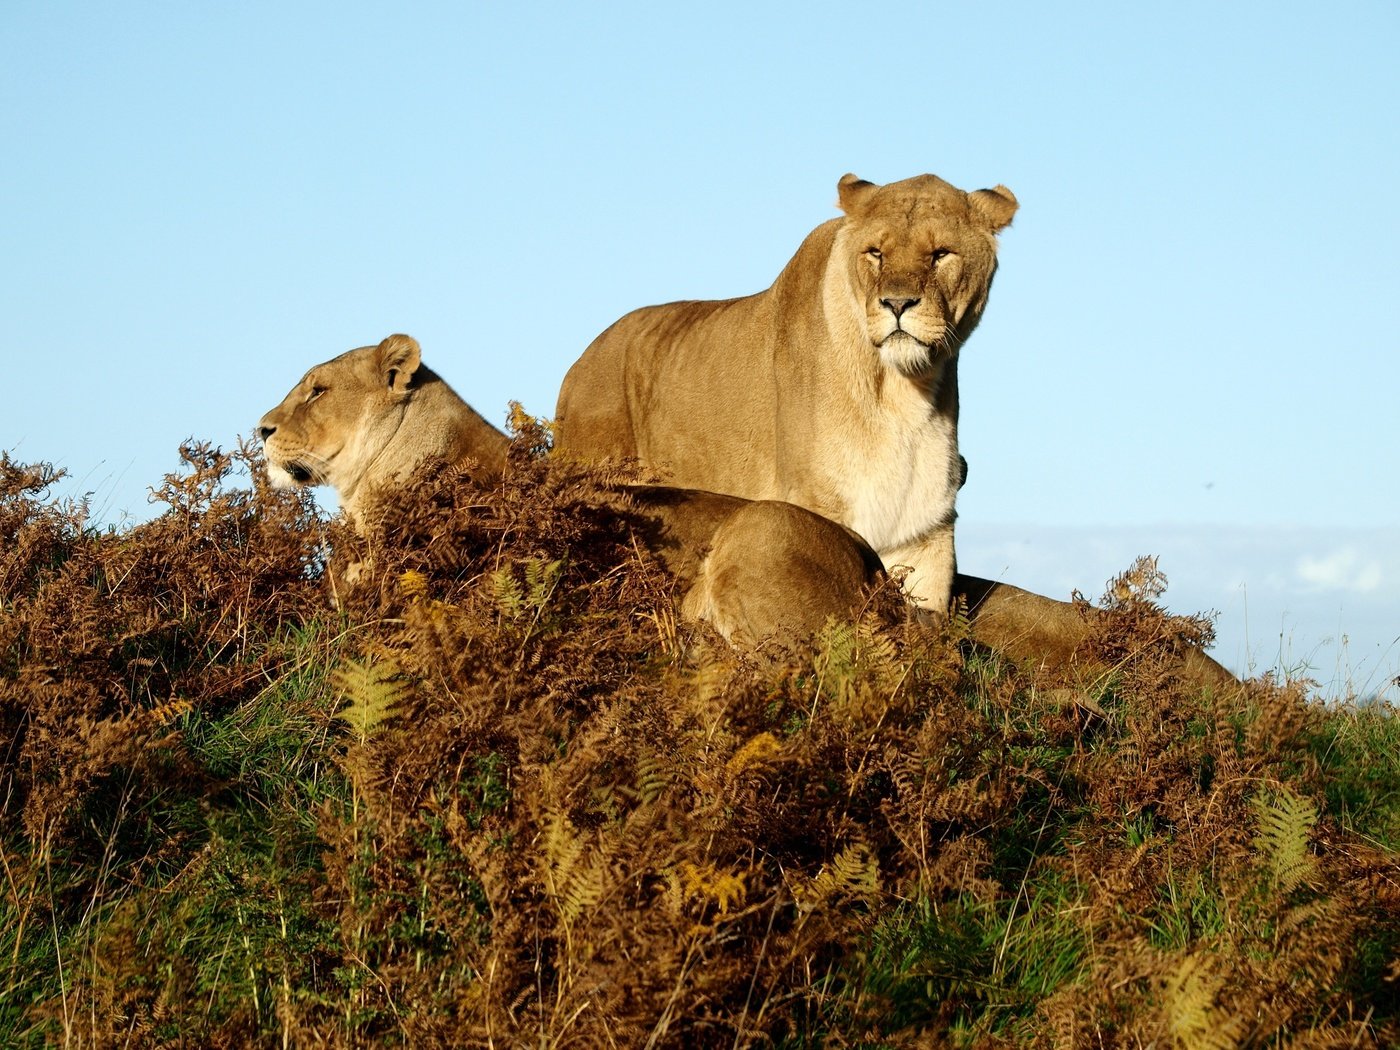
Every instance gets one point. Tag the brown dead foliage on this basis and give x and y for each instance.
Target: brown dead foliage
(653, 869)
(107, 637)
(571, 821)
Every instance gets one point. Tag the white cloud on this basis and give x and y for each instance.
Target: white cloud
(1341, 570)
(1324, 600)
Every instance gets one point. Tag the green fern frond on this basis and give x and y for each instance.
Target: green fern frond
(875, 646)
(653, 778)
(1190, 1011)
(542, 577)
(837, 646)
(856, 871)
(836, 661)
(372, 691)
(507, 593)
(853, 873)
(572, 883)
(857, 663)
(518, 599)
(1285, 828)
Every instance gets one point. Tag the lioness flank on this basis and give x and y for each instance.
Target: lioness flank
(835, 389)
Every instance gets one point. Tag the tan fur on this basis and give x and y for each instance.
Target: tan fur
(835, 389)
(363, 421)
(753, 569)
(1041, 634)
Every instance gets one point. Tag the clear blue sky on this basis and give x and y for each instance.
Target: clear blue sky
(1193, 333)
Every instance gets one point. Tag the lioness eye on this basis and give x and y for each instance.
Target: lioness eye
(316, 391)
(939, 254)
(873, 252)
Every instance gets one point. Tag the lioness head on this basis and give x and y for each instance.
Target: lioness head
(919, 255)
(341, 416)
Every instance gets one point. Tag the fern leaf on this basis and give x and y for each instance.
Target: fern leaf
(582, 893)
(854, 873)
(413, 584)
(712, 885)
(711, 680)
(876, 647)
(371, 690)
(507, 593)
(531, 598)
(1189, 1008)
(1285, 828)
(572, 884)
(836, 660)
(760, 749)
(653, 778)
(169, 711)
(1142, 581)
(541, 577)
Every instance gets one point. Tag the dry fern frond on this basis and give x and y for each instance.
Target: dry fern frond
(169, 711)
(534, 435)
(526, 592)
(723, 889)
(574, 881)
(413, 584)
(1142, 581)
(757, 751)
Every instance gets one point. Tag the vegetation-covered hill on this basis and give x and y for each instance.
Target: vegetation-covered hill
(500, 798)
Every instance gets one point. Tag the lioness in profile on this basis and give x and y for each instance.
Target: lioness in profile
(363, 421)
(835, 389)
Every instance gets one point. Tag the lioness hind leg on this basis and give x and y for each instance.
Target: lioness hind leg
(776, 570)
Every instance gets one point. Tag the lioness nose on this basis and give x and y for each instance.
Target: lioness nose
(898, 306)
(266, 432)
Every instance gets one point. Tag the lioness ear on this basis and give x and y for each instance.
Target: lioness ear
(399, 358)
(995, 207)
(851, 191)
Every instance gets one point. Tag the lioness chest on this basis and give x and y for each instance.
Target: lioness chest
(898, 479)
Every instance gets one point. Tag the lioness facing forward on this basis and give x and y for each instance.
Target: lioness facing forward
(363, 421)
(835, 389)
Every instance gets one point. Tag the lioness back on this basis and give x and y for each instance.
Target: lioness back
(835, 389)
